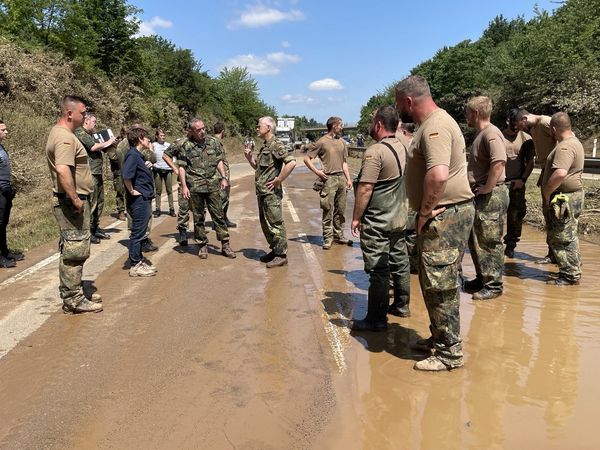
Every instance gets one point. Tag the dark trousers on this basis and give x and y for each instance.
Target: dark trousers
(5, 207)
(140, 210)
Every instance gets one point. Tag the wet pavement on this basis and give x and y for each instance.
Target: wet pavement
(227, 354)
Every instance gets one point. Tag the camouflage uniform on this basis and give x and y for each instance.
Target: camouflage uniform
(183, 214)
(563, 238)
(118, 185)
(485, 241)
(200, 160)
(270, 159)
(96, 161)
(225, 192)
(411, 240)
(333, 204)
(441, 246)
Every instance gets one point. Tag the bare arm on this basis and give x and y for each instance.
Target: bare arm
(363, 194)
(130, 189)
(309, 162)
(170, 163)
(67, 183)
(557, 177)
(285, 172)
(102, 145)
(434, 186)
(221, 170)
(184, 189)
(249, 156)
(347, 175)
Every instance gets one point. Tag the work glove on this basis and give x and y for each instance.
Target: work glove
(560, 206)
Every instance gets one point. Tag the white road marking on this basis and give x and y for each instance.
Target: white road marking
(292, 210)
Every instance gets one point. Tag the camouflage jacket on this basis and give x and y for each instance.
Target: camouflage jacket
(225, 162)
(270, 159)
(95, 158)
(200, 160)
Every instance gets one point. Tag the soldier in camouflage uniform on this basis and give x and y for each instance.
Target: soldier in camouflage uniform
(115, 169)
(95, 150)
(202, 176)
(273, 165)
(486, 177)
(562, 191)
(183, 214)
(72, 189)
(438, 189)
(333, 153)
(218, 134)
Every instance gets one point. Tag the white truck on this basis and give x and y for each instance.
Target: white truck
(285, 131)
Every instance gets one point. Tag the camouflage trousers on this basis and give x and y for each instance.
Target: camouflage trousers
(385, 257)
(118, 186)
(563, 238)
(183, 215)
(199, 203)
(517, 208)
(485, 241)
(333, 204)
(411, 240)
(441, 245)
(97, 202)
(270, 214)
(225, 199)
(74, 247)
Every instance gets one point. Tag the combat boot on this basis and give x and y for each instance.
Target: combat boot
(486, 294)
(267, 257)
(172, 212)
(182, 238)
(433, 364)
(327, 244)
(141, 270)
(95, 298)
(230, 224)
(227, 251)
(278, 261)
(509, 251)
(101, 234)
(562, 281)
(148, 246)
(473, 285)
(7, 263)
(342, 240)
(368, 325)
(203, 253)
(399, 311)
(156, 213)
(424, 344)
(94, 239)
(15, 256)
(84, 306)
(548, 259)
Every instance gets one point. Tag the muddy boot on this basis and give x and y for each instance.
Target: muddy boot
(95, 298)
(342, 240)
(15, 256)
(84, 306)
(327, 244)
(424, 344)
(278, 261)
(473, 285)
(227, 251)
(172, 212)
(230, 224)
(486, 294)
(548, 259)
(203, 253)
(267, 257)
(399, 310)
(433, 364)
(7, 263)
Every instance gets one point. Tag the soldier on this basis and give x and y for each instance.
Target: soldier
(438, 189)
(219, 134)
(379, 219)
(486, 177)
(94, 150)
(562, 191)
(519, 165)
(72, 189)
(116, 174)
(7, 194)
(333, 153)
(273, 164)
(163, 173)
(202, 174)
(539, 128)
(183, 214)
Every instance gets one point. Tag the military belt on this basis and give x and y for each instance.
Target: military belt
(451, 205)
(63, 196)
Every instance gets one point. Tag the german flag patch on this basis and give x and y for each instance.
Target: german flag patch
(434, 135)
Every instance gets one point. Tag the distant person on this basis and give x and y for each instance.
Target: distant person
(438, 189)
(137, 178)
(520, 153)
(219, 134)
(360, 140)
(333, 153)
(72, 188)
(163, 173)
(379, 219)
(115, 169)
(272, 164)
(543, 140)
(7, 194)
(95, 151)
(562, 191)
(487, 180)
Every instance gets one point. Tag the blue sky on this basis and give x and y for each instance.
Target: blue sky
(322, 58)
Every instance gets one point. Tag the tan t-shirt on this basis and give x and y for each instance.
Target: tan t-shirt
(438, 141)
(379, 163)
(568, 155)
(64, 148)
(332, 152)
(487, 149)
(515, 155)
(543, 140)
(403, 138)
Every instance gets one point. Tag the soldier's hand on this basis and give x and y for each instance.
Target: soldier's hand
(481, 190)
(273, 184)
(348, 185)
(355, 228)
(322, 175)
(517, 184)
(78, 205)
(224, 184)
(422, 219)
(186, 192)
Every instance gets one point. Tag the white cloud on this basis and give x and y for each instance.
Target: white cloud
(286, 44)
(271, 64)
(297, 99)
(262, 16)
(326, 84)
(148, 28)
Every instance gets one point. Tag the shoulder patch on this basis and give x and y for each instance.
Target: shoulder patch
(368, 156)
(492, 139)
(434, 135)
(564, 148)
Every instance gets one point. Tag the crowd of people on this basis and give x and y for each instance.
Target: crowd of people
(420, 201)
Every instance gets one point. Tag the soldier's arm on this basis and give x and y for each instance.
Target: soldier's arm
(309, 162)
(67, 183)
(169, 161)
(434, 186)
(362, 196)
(102, 145)
(347, 175)
(249, 156)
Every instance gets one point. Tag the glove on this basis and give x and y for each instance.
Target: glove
(560, 206)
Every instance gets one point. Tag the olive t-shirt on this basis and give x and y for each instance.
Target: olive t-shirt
(568, 155)
(379, 163)
(332, 152)
(517, 154)
(438, 141)
(542, 138)
(488, 148)
(95, 158)
(64, 148)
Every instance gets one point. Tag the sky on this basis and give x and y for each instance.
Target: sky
(322, 58)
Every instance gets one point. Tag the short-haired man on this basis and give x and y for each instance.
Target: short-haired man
(438, 189)
(219, 134)
(95, 150)
(562, 192)
(333, 153)
(539, 128)
(379, 218)
(272, 164)
(170, 156)
(7, 194)
(115, 169)
(486, 177)
(72, 188)
(520, 154)
(202, 175)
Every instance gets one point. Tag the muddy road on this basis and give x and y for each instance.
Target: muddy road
(223, 353)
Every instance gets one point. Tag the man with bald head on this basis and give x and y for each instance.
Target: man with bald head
(438, 190)
(562, 192)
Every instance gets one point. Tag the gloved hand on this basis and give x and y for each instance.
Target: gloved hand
(560, 206)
